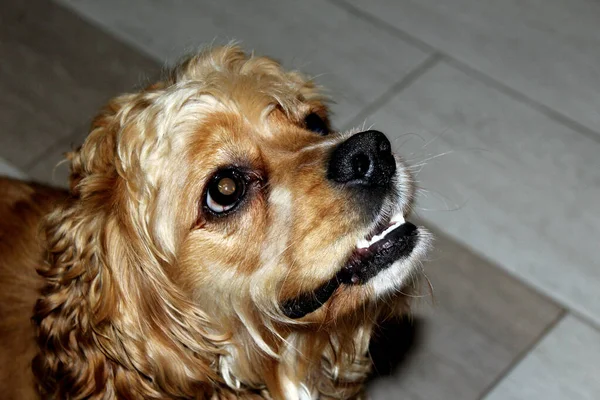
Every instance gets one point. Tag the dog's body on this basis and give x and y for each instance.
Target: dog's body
(22, 207)
(217, 242)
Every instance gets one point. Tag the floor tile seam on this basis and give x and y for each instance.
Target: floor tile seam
(395, 89)
(548, 329)
(472, 72)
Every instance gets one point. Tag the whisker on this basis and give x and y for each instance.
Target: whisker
(408, 136)
(436, 137)
(421, 162)
(426, 192)
(430, 287)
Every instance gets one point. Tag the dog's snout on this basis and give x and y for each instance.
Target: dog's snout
(365, 159)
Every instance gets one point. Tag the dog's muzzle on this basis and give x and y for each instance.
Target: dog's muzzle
(364, 165)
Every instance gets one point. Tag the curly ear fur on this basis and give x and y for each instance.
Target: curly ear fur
(109, 322)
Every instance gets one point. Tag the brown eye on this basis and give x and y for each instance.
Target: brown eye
(314, 123)
(225, 191)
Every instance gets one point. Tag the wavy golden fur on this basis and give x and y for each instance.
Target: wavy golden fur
(144, 296)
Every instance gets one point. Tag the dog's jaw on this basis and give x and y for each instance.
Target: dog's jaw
(395, 277)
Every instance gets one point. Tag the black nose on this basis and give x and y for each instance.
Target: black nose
(364, 160)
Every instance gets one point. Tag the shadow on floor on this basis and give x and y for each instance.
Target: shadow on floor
(393, 344)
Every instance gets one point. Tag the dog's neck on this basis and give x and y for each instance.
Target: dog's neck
(309, 363)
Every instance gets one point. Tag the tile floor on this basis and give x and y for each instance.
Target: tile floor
(496, 104)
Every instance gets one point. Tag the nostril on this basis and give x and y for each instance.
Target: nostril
(360, 165)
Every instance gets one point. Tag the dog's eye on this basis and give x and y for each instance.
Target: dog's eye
(316, 124)
(225, 191)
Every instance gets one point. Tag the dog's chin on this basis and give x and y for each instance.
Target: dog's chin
(381, 262)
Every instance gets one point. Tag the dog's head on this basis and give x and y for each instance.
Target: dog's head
(224, 206)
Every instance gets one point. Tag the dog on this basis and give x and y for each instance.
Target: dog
(219, 240)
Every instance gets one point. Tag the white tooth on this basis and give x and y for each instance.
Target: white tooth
(377, 238)
(374, 239)
(395, 225)
(398, 218)
(362, 243)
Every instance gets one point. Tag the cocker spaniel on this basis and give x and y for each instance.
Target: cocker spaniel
(219, 241)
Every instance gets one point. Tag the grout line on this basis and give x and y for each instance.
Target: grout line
(472, 72)
(517, 360)
(7, 168)
(67, 143)
(396, 88)
(385, 26)
(531, 286)
(585, 319)
(516, 95)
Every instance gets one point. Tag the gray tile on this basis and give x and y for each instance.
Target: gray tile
(481, 320)
(547, 50)
(504, 179)
(353, 59)
(52, 167)
(56, 72)
(7, 169)
(563, 366)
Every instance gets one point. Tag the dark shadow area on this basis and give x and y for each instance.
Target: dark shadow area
(393, 344)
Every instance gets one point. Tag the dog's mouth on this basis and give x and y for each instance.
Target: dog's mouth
(389, 241)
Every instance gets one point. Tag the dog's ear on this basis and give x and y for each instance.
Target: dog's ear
(97, 155)
(69, 363)
(109, 321)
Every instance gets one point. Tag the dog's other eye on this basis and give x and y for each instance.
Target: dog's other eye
(316, 124)
(225, 191)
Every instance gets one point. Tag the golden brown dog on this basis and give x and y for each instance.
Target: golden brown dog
(218, 241)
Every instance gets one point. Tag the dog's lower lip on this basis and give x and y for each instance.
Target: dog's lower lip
(394, 243)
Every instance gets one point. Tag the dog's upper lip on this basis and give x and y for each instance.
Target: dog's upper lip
(387, 242)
